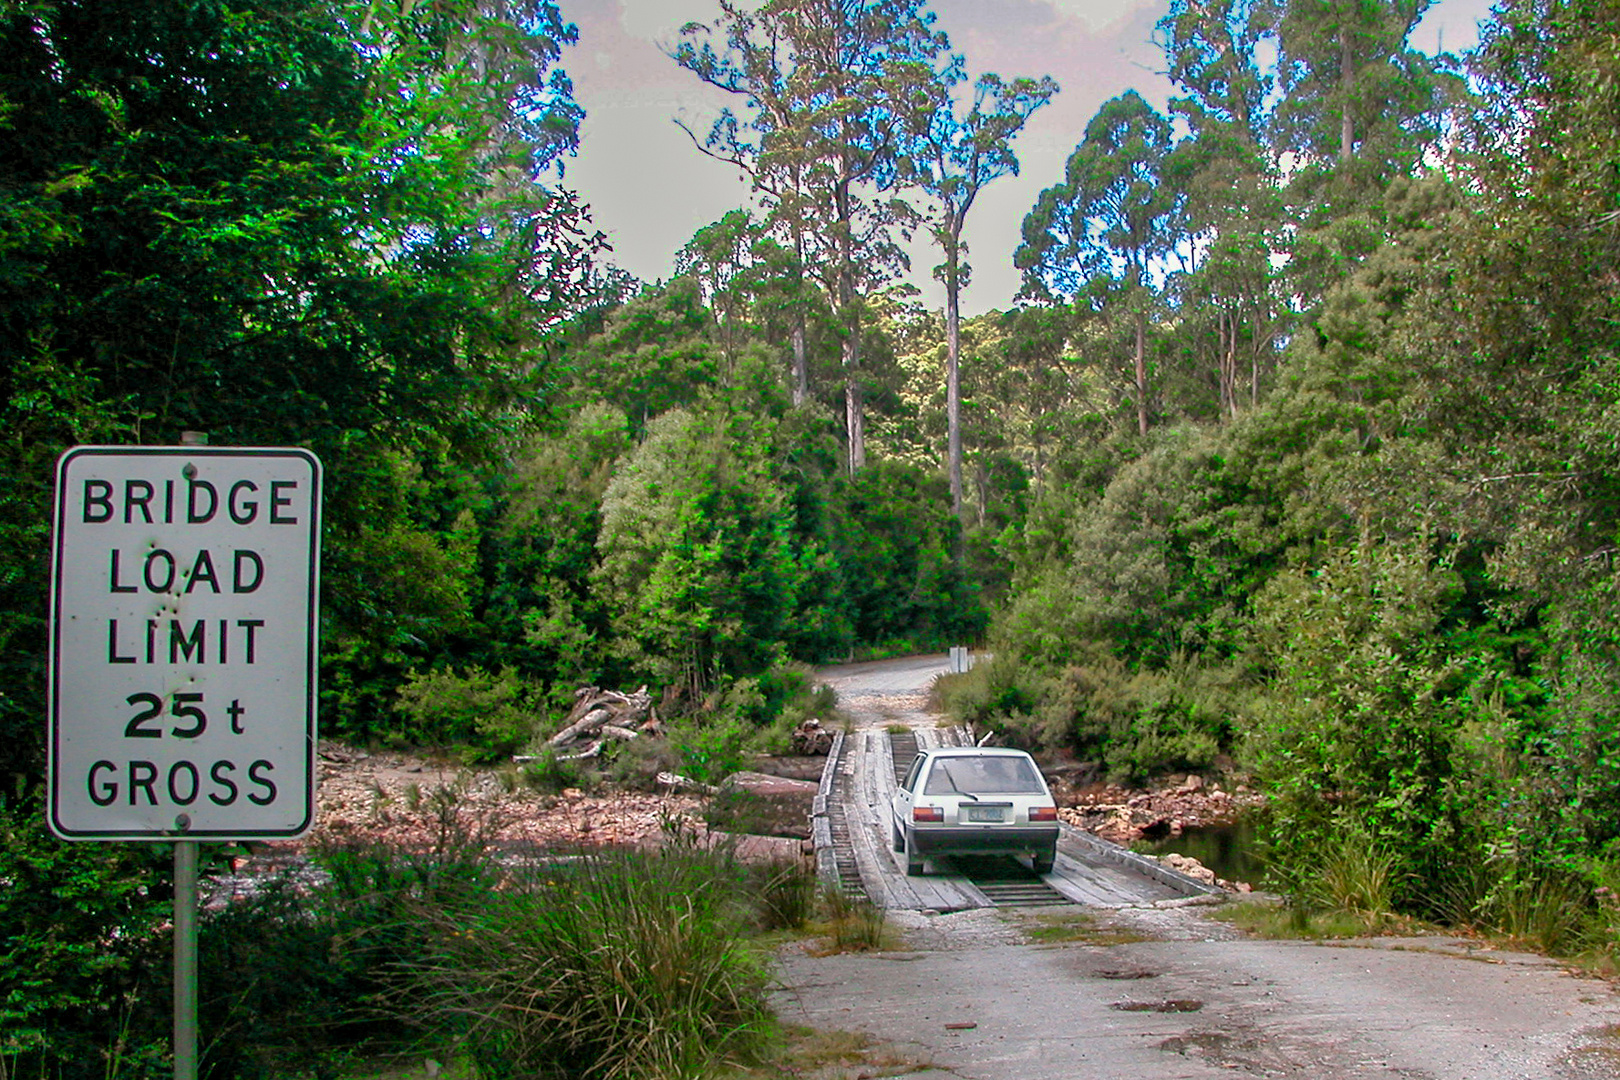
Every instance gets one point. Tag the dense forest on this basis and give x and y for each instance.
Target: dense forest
(1297, 454)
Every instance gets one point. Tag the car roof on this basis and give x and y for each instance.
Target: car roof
(974, 751)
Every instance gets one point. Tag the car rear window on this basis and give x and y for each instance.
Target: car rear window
(983, 776)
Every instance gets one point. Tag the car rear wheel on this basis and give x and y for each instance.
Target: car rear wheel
(899, 837)
(1043, 861)
(914, 860)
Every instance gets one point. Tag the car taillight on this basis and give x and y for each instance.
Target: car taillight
(927, 813)
(1043, 813)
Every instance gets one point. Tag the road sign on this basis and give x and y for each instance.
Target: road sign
(183, 643)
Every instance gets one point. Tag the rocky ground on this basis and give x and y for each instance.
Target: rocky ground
(416, 803)
(420, 804)
(1169, 807)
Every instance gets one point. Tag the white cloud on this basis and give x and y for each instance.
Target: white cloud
(659, 20)
(1099, 15)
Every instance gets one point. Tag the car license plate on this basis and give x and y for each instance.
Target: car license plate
(985, 813)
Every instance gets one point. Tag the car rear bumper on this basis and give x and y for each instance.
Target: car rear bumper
(974, 839)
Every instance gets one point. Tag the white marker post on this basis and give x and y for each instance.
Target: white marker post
(182, 658)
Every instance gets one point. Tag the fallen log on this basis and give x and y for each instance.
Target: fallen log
(596, 709)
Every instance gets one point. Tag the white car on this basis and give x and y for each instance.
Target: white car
(974, 801)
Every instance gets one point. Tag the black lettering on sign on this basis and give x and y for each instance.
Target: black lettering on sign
(202, 570)
(136, 728)
(184, 783)
(112, 646)
(242, 509)
(98, 506)
(112, 576)
(218, 775)
(192, 646)
(183, 772)
(159, 571)
(277, 501)
(102, 792)
(194, 488)
(138, 493)
(270, 788)
(185, 707)
(248, 574)
(142, 775)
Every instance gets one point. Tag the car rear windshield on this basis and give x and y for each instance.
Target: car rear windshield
(983, 776)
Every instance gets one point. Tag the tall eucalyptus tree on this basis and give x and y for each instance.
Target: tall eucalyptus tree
(1101, 231)
(1225, 169)
(825, 84)
(957, 156)
(1359, 107)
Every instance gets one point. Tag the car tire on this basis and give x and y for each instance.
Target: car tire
(1043, 861)
(899, 844)
(914, 860)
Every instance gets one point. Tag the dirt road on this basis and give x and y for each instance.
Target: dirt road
(1067, 993)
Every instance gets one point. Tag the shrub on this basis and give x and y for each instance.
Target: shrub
(490, 715)
(710, 752)
(79, 925)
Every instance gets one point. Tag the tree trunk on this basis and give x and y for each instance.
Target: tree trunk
(1141, 375)
(854, 415)
(953, 388)
(801, 371)
(1347, 81)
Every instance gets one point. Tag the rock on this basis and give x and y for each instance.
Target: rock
(768, 786)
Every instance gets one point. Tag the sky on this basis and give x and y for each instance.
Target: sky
(650, 189)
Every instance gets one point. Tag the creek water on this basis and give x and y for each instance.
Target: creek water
(1229, 850)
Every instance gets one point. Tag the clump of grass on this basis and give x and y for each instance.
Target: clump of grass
(1356, 877)
(836, 1055)
(854, 924)
(1549, 913)
(1296, 922)
(786, 895)
(608, 967)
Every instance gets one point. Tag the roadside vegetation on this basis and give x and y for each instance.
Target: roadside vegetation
(1296, 455)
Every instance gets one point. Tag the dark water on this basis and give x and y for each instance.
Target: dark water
(1226, 849)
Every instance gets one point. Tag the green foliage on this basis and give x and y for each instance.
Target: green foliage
(712, 748)
(1362, 723)
(896, 545)
(490, 715)
(615, 966)
(1136, 724)
(696, 560)
(81, 936)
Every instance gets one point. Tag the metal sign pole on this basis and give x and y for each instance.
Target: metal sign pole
(185, 960)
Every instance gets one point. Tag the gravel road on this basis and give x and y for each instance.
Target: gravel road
(1159, 994)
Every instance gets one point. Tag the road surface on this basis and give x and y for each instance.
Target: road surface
(1157, 991)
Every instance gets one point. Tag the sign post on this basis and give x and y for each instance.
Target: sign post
(182, 657)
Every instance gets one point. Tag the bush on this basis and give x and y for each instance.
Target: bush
(80, 926)
(490, 715)
(710, 752)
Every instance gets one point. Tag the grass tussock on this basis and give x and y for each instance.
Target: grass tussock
(596, 969)
(850, 924)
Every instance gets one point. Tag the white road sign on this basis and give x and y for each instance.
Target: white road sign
(183, 643)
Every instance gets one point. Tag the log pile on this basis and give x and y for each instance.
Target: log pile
(811, 739)
(599, 715)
